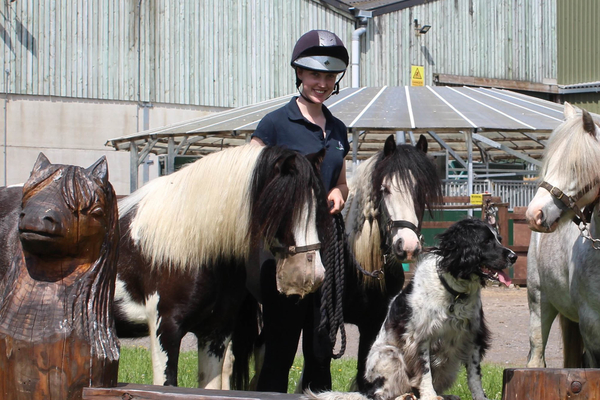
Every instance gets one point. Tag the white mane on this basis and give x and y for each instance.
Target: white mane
(361, 219)
(197, 214)
(572, 154)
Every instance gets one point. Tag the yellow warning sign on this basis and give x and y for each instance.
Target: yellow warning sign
(417, 75)
(477, 198)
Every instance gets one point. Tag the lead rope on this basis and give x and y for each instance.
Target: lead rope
(585, 233)
(332, 292)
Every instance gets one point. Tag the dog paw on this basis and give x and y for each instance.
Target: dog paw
(407, 396)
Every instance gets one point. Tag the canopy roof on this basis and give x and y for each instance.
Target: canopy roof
(504, 124)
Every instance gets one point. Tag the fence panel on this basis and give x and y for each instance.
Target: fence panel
(515, 193)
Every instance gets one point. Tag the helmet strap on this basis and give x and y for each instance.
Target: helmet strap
(336, 88)
(304, 97)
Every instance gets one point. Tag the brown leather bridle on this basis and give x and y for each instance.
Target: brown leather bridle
(570, 202)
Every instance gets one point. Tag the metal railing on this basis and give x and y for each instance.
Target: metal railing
(515, 193)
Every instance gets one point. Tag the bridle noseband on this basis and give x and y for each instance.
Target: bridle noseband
(386, 224)
(285, 251)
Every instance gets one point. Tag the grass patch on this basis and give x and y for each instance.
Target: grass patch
(135, 366)
(491, 379)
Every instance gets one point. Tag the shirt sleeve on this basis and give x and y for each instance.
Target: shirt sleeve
(265, 131)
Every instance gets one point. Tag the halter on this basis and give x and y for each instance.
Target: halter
(581, 218)
(386, 224)
(293, 250)
(570, 201)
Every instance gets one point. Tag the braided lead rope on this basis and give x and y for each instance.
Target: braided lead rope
(332, 314)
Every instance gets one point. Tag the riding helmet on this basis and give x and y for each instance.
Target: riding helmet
(320, 50)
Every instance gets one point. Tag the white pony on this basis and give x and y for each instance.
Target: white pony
(562, 262)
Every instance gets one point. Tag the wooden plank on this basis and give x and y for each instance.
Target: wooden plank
(496, 83)
(437, 224)
(519, 248)
(551, 383)
(151, 392)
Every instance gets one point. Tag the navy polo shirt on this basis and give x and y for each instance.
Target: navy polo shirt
(287, 127)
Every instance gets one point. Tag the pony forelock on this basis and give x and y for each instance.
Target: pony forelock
(572, 154)
(197, 214)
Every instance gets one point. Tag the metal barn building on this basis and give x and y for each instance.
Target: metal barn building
(80, 72)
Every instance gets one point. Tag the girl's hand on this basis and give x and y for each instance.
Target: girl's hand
(335, 200)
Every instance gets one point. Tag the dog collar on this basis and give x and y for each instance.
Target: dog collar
(455, 294)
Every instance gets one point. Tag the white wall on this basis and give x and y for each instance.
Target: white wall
(74, 131)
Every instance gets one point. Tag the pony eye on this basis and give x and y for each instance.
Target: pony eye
(97, 212)
(385, 190)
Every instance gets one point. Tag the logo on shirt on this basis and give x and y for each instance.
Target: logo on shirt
(340, 146)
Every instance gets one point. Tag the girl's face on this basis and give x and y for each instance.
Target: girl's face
(317, 86)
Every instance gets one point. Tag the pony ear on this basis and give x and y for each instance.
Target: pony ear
(316, 159)
(287, 165)
(422, 144)
(390, 146)
(569, 110)
(41, 163)
(588, 124)
(99, 169)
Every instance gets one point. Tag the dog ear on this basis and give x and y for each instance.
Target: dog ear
(461, 256)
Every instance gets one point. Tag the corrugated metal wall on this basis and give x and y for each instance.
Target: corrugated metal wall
(578, 41)
(71, 48)
(209, 52)
(500, 39)
(233, 53)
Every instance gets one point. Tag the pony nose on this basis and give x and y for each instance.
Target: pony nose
(536, 218)
(399, 248)
(403, 252)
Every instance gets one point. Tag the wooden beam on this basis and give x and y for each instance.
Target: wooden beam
(506, 149)
(495, 83)
(152, 392)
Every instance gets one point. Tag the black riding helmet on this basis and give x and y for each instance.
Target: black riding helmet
(322, 51)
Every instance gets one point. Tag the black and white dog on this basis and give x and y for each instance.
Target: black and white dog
(436, 323)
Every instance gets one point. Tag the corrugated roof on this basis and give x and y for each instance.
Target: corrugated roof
(512, 122)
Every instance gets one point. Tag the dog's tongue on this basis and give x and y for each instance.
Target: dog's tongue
(504, 278)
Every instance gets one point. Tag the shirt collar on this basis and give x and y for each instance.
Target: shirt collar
(294, 111)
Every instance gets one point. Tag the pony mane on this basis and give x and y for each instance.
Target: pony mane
(198, 213)
(415, 173)
(572, 154)
(283, 182)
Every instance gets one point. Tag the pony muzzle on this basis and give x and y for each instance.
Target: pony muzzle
(298, 272)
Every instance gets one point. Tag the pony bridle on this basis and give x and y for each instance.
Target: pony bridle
(285, 251)
(570, 202)
(386, 224)
(581, 218)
